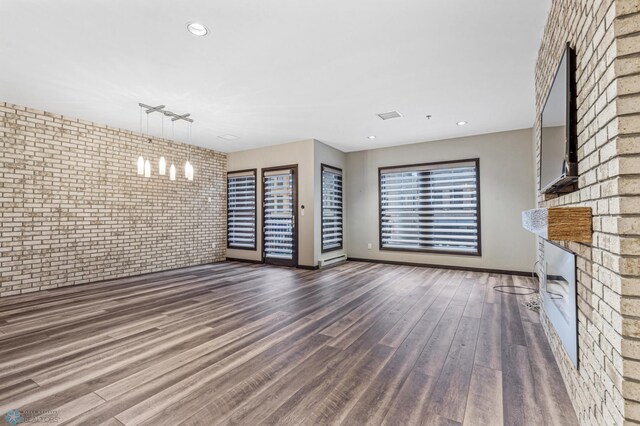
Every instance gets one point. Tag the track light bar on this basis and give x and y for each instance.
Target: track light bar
(161, 109)
(179, 117)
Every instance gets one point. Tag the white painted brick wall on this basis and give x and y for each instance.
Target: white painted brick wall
(74, 210)
(605, 34)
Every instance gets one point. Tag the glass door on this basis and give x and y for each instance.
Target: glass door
(279, 208)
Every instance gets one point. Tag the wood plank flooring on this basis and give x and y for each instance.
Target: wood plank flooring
(234, 343)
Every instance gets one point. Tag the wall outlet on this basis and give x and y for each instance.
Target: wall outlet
(369, 246)
(214, 245)
(209, 199)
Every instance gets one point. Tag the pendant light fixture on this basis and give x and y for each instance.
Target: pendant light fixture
(187, 164)
(141, 158)
(147, 168)
(144, 165)
(141, 165)
(162, 163)
(147, 163)
(188, 167)
(172, 169)
(188, 170)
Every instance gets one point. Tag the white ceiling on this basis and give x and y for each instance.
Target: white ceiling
(278, 71)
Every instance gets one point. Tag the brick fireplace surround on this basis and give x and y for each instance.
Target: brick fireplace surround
(605, 390)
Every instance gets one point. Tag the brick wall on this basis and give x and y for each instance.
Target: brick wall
(606, 36)
(74, 210)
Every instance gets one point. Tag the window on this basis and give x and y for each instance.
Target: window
(431, 207)
(241, 210)
(331, 208)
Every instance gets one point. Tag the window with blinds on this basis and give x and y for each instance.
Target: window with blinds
(241, 210)
(431, 207)
(331, 208)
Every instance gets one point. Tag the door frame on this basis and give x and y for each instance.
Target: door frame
(282, 262)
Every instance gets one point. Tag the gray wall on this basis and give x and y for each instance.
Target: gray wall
(300, 153)
(308, 155)
(324, 154)
(506, 188)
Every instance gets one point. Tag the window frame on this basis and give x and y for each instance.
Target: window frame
(478, 253)
(255, 210)
(322, 249)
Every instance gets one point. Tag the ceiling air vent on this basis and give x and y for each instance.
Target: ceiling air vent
(228, 137)
(389, 115)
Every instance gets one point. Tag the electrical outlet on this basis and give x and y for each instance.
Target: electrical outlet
(213, 246)
(209, 199)
(369, 246)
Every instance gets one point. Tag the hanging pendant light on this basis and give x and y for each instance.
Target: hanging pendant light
(187, 164)
(141, 158)
(144, 165)
(187, 169)
(162, 163)
(147, 169)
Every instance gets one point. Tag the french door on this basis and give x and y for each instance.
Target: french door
(279, 215)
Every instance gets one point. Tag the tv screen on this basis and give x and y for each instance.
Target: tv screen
(557, 157)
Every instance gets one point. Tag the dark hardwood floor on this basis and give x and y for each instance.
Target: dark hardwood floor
(235, 343)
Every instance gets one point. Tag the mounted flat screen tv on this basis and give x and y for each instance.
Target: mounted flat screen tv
(558, 150)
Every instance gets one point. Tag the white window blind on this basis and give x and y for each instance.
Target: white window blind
(431, 207)
(241, 210)
(331, 208)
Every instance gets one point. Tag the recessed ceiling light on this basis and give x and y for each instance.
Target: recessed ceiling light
(371, 137)
(461, 123)
(196, 28)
